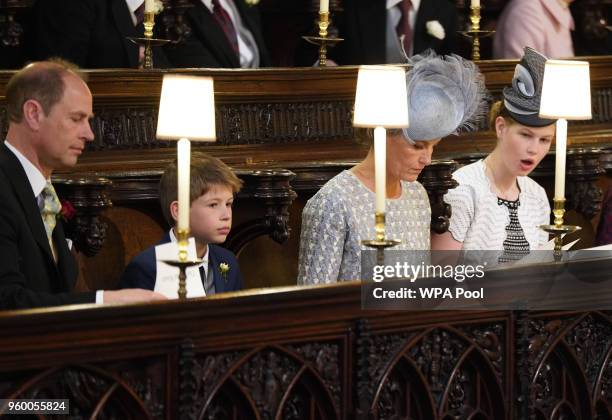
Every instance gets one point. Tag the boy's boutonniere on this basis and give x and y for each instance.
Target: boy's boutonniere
(435, 29)
(224, 269)
(67, 212)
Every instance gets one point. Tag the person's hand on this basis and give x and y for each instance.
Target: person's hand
(131, 296)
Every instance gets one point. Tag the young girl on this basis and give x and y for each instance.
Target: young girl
(496, 206)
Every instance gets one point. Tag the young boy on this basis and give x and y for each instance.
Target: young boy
(212, 190)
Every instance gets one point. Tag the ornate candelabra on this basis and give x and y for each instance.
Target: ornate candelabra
(183, 262)
(323, 40)
(380, 101)
(380, 243)
(566, 95)
(148, 41)
(475, 33)
(558, 229)
(186, 109)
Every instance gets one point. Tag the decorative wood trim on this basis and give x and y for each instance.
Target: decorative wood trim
(583, 193)
(277, 352)
(272, 188)
(187, 380)
(89, 197)
(437, 179)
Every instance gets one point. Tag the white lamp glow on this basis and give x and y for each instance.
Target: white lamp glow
(380, 102)
(566, 95)
(186, 108)
(186, 112)
(323, 6)
(183, 163)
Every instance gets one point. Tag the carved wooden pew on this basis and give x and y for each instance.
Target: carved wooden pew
(296, 120)
(312, 352)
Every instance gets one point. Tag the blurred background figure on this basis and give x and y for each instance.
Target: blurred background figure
(90, 33)
(224, 33)
(593, 21)
(544, 25)
(372, 30)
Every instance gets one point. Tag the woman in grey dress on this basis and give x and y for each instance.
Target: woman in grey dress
(444, 94)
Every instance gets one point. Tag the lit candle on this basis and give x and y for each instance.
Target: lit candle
(150, 6)
(183, 169)
(380, 167)
(560, 158)
(475, 3)
(324, 6)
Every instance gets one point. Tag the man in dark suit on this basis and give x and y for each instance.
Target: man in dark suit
(224, 33)
(371, 29)
(141, 272)
(49, 107)
(90, 33)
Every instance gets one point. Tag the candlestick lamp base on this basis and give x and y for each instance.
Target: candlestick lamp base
(475, 33)
(182, 265)
(558, 231)
(148, 43)
(323, 43)
(385, 243)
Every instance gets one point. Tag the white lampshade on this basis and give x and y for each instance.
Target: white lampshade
(186, 108)
(566, 90)
(380, 100)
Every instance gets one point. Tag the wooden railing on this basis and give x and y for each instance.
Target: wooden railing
(312, 353)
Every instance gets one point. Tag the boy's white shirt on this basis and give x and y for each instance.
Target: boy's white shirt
(166, 281)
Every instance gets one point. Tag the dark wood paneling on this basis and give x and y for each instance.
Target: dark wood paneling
(309, 353)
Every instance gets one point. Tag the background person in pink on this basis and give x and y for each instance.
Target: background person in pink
(544, 25)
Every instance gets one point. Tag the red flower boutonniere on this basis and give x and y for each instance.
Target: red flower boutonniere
(67, 211)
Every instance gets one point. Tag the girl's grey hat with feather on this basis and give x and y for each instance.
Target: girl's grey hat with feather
(446, 94)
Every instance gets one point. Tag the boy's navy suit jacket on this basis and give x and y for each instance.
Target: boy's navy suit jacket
(142, 270)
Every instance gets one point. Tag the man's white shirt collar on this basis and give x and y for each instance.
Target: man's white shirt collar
(35, 177)
(392, 3)
(133, 4)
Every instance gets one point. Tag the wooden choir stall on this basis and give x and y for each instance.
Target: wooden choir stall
(277, 350)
